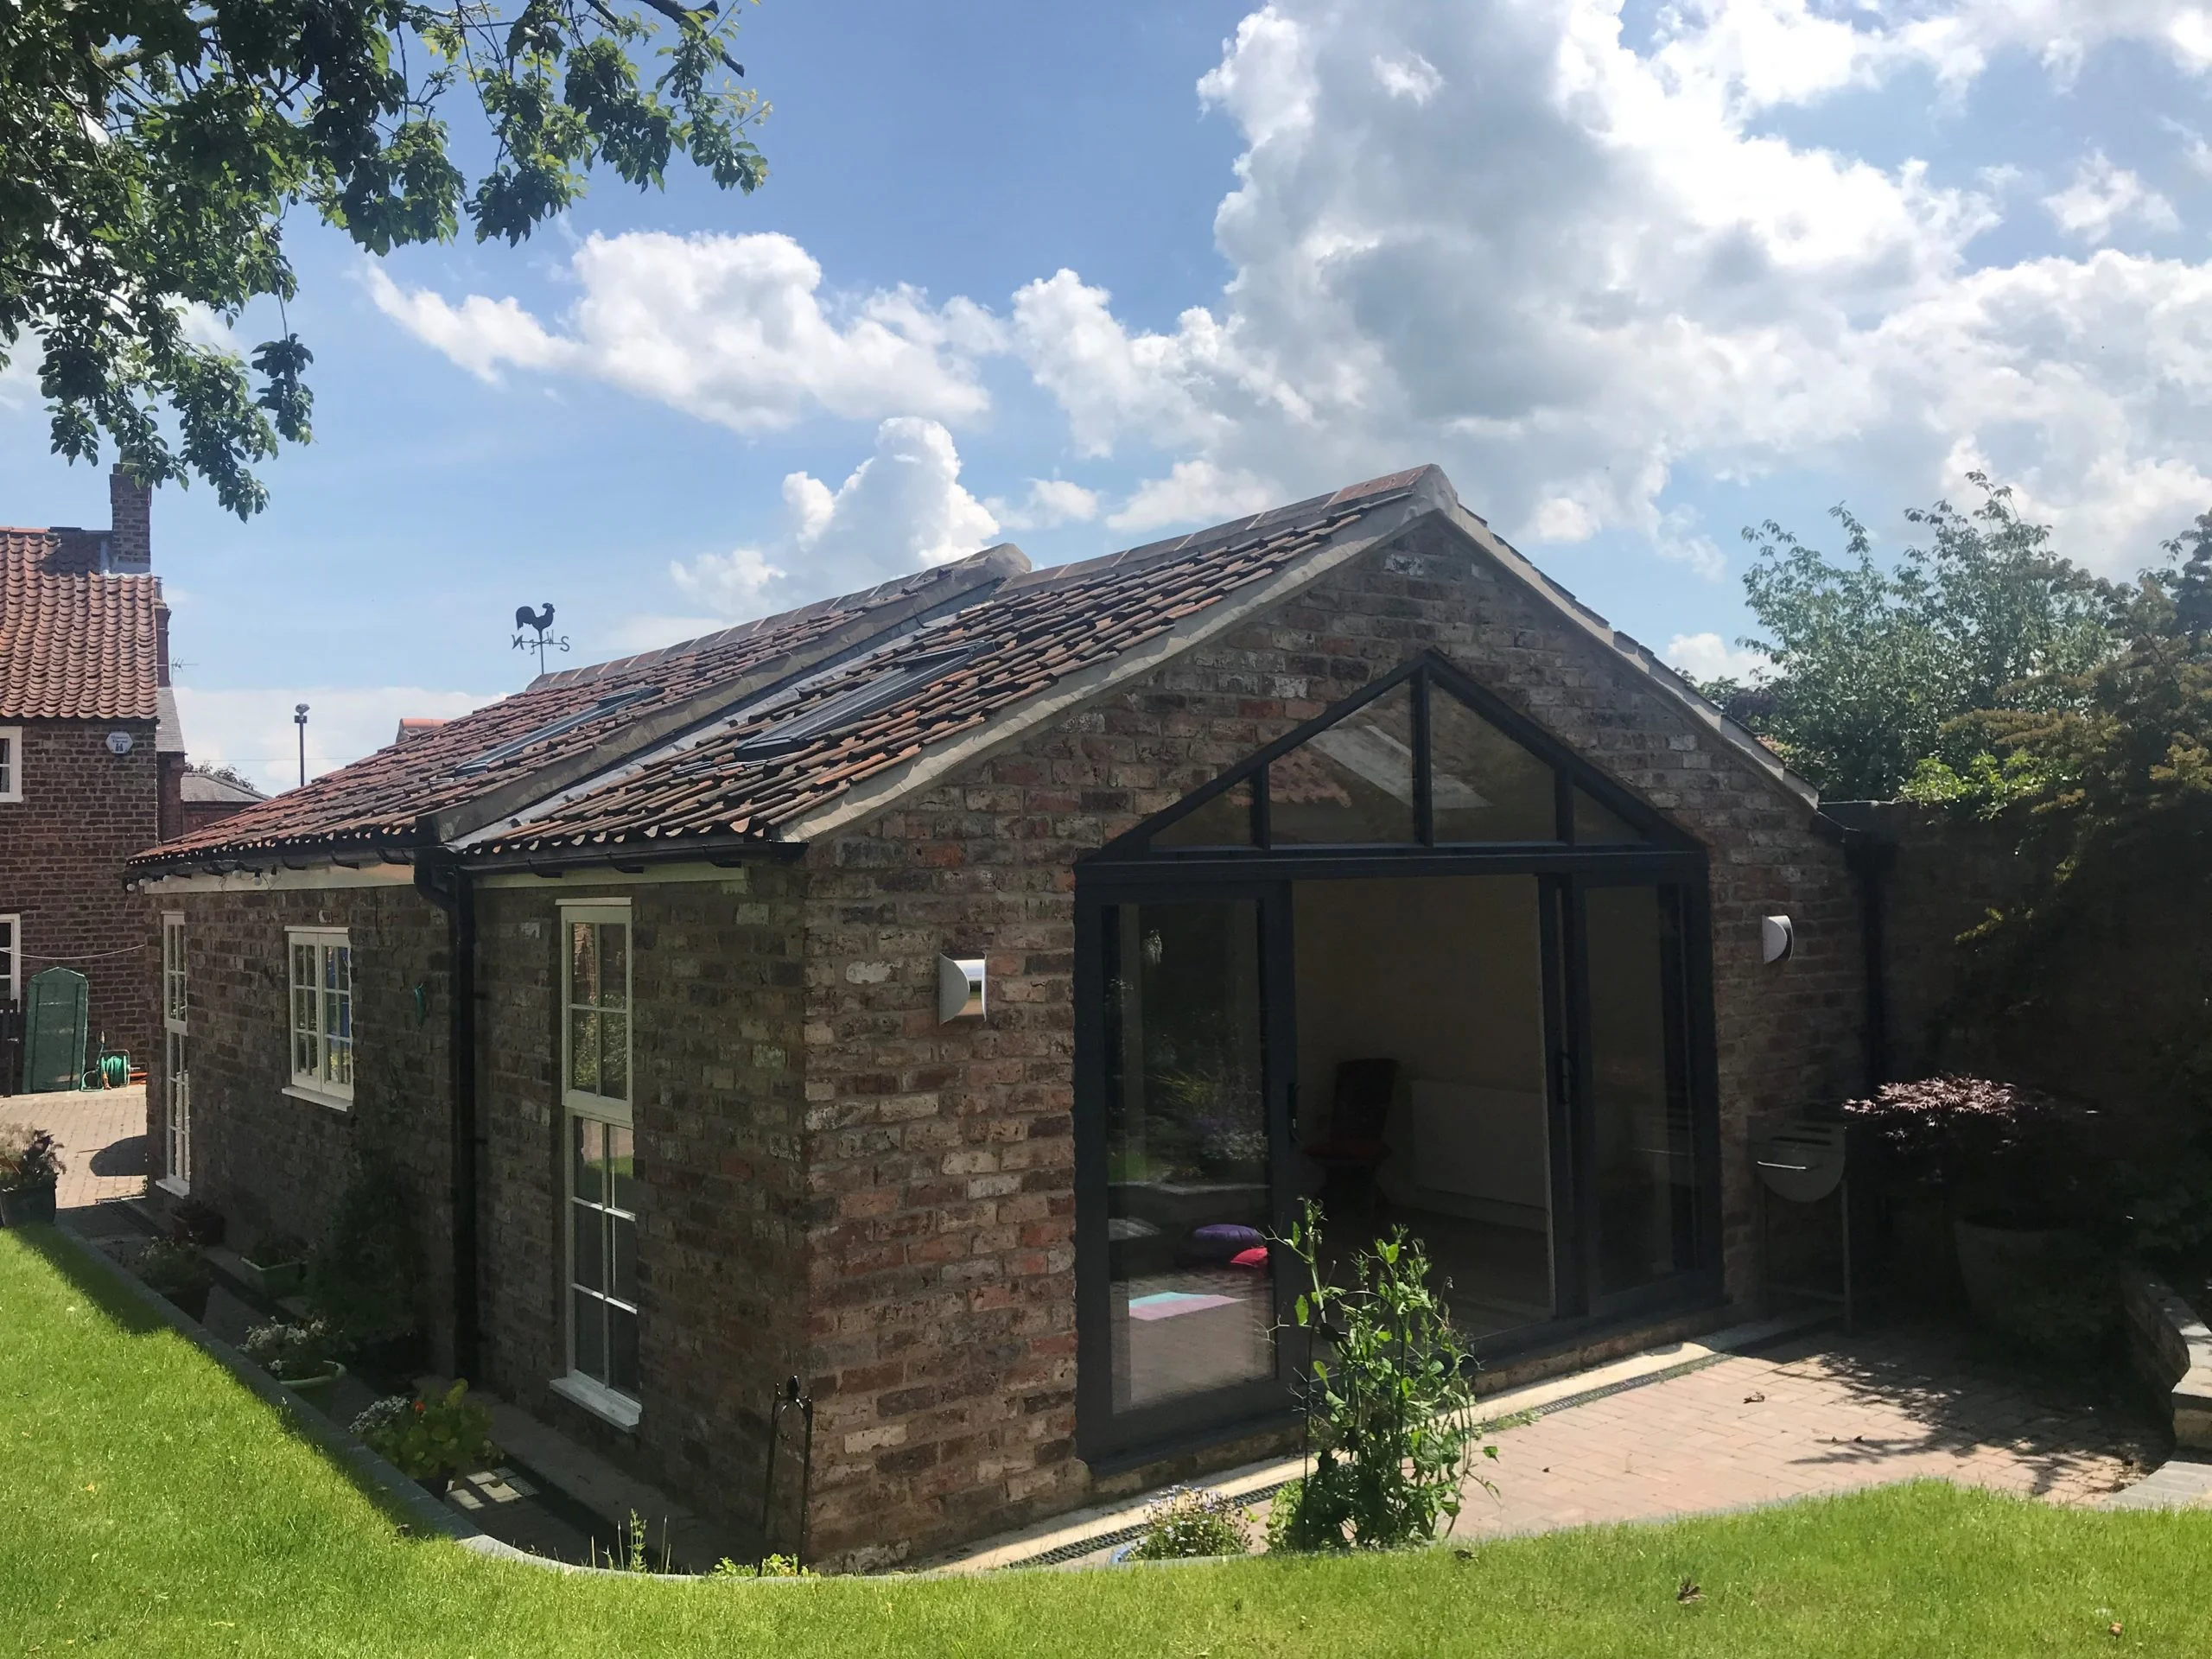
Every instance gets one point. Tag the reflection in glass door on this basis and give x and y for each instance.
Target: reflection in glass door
(1189, 1303)
(1644, 1197)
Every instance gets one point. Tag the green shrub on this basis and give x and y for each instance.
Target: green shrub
(362, 1277)
(1188, 1523)
(29, 1159)
(1390, 1402)
(426, 1439)
(771, 1566)
(172, 1269)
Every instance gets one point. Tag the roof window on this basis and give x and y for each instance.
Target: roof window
(569, 722)
(894, 685)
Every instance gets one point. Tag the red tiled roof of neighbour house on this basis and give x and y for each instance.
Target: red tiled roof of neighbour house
(74, 645)
(1018, 641)
(376, 803)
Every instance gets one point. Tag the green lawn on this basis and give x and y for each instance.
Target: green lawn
(151, 1506)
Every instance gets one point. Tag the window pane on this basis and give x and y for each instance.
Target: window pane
(622, 1350)
(1351, 783)
(583, 1051)
(1597, 824)
(613, 1055)
(585, 1149)
(621, 1160)
(1187, 1151)
(1485, 786)
(304, 964)
(614, 964)
(588, 1265)
(622, 1277)
(588, 1315)
(1225, 821)
(583, 963)
(1646, 1192)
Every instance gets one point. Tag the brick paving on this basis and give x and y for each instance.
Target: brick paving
(1822, 1413)
(103, 1138)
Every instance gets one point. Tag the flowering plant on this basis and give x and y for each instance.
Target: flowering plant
(291, 1353)
(29, 1159)
(426, 1439)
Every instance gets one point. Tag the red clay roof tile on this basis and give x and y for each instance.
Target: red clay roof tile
(74, 645)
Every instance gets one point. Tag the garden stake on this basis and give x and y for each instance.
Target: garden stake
(788, 1397)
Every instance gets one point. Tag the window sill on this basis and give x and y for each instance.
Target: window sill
(598, 1399)
(320, 1097)
(176, 1186)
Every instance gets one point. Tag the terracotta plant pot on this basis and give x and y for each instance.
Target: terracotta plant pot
(25, 1204)
(321, 1392)
(2044, 1286)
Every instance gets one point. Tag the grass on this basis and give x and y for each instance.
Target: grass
(150, 1506)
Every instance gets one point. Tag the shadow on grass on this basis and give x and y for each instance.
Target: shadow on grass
(131, 1308)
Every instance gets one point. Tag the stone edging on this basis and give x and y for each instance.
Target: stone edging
(2172, 1348)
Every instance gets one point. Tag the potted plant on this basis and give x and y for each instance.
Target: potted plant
(178, 1273)
(302, 1357)
(363, 1273)
(2021, 1190)
(29, 1168)
(430, 1441)
(277, 1263)
(194, 1223)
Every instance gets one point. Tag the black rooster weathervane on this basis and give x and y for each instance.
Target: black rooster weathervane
(542, 620)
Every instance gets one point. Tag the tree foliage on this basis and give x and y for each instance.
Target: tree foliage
(150, 151)
(1873, 668)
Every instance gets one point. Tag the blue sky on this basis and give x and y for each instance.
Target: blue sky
(1078, 277)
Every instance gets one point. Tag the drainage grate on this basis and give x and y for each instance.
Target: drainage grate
(1078, 1549)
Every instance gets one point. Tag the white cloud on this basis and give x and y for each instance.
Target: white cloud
(734, 329)
(902, 507)
(1680, 542)
(1708, 657)
(1195, 493)
(2103, 195)
(1412, 77)
(1579, 270)
(1050, 502)
(252, 730)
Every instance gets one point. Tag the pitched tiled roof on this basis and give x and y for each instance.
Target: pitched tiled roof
(379, 801)
(74, 645)
(1025, 637)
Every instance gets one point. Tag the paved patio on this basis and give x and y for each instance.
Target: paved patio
(1753, 1417)
(1817, 1414)
(103, 1137)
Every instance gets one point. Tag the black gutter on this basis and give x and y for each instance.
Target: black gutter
(440, 877)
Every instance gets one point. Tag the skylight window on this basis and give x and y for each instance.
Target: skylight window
(568, 723)
(893, 686)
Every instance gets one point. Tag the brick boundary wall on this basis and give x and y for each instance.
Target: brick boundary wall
(941, 1272)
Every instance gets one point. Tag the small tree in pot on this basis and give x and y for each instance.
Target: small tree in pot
(2024, 1191)
(30, 1165)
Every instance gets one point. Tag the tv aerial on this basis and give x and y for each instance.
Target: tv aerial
(540, 622)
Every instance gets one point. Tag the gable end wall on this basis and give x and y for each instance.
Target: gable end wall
(940, 1158)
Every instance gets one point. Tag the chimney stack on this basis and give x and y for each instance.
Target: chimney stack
(130, 515)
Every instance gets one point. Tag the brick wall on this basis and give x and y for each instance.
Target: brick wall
(717, 970)
(941, 1270)
(83, 811)
(269, 1160)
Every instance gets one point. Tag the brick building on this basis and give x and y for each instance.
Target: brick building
(943, 993)
(91, 759)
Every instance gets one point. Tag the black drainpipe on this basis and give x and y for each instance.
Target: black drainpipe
(438, 878)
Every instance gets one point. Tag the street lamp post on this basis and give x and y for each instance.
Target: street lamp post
(300, 719)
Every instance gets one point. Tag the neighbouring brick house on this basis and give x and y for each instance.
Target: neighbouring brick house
(941, 994)
(91, 759)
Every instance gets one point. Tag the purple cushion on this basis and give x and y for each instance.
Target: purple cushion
(1221, 1241)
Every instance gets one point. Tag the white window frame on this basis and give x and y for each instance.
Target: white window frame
(176, 1074)
(316, 1085)
(594, 1393)
(11, 763)
(13, 982)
